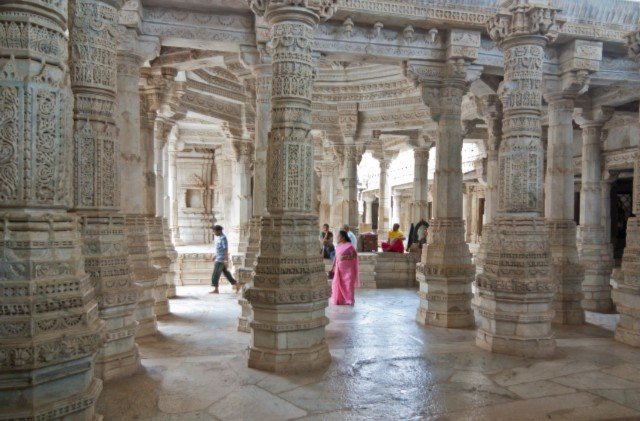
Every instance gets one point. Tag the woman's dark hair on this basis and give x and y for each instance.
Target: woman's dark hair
(325, 225)
(344, 235)
(396, 227)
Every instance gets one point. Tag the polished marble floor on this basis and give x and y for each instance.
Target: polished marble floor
(385, 367)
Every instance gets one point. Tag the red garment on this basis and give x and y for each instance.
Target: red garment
(395, 246)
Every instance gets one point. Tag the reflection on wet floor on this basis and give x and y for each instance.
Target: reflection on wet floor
(385, 366)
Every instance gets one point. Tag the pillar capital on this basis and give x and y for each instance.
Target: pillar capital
(524, 22)
(242, 150)
(348, 119)
(592, 117)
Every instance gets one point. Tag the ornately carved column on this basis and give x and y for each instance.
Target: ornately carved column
(50, 331)
(290, 290)
(131, 54)
(243, 154)
(384, 197)
(627, 294)
(349, 156)
(421, 183)
(263, 74)
(516, 288)
(559, 207)
(490, 108)
(96, 181)
(445, 294)
(596, 254)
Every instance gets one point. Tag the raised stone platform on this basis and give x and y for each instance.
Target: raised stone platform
(196, 264)
(387, 270)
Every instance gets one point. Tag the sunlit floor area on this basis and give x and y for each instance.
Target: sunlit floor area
(385, 366)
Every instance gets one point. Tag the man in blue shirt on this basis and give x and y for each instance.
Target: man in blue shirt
(222, 256)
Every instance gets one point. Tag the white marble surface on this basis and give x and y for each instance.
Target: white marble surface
(385, 366)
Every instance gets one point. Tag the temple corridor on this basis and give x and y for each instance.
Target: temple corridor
(384, 366)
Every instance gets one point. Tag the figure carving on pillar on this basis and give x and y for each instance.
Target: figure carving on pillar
(516, 287)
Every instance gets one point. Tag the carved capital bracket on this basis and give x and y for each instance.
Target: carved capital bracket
(524, 19)
(324, 9)
(242, 151)
(348, 119)
(592, 117)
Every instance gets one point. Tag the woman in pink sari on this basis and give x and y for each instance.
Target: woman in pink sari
(345, 272)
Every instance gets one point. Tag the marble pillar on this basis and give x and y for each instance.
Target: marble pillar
(490, 108)
(626, 296)
(596, 253)
(49, 322)
(420, 203)
(383, 198)
(368, 213)
(349, 155)
(396, 207)
(131, 54)
(516, 287)
(243, 154)
(263, 73)
(96, 181)
(445, 291)
(290, 291)
(567, 272)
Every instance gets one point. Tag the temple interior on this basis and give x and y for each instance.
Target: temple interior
(129, 128)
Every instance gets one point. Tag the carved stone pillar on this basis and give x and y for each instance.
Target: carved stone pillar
(326, 169)
(395, 213)
(420, 202)
(290, 291)
(445, 294)
(131, 54)
(626, 295)
(349, 158)
(49, 324)
(490, 108)
(516, 288)
(243, 154)
(559, 207)
(384, 201)
(96, 181)
(596, 254)
(368, 212)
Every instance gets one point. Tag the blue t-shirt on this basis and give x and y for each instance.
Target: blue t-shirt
(221, 246)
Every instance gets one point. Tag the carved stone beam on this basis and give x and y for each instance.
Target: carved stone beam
(189, 59)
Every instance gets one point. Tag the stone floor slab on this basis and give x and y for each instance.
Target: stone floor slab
(385, 366)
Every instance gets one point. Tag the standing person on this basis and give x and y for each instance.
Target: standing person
(352, 236)
(345, 272)
(326, 238)
(222, 257)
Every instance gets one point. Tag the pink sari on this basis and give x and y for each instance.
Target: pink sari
(345, 278)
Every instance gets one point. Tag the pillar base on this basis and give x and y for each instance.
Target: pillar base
(118, 366)
(596, 257)
(519, 347)
(445, 294)
(516, 290)
(290, 361)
